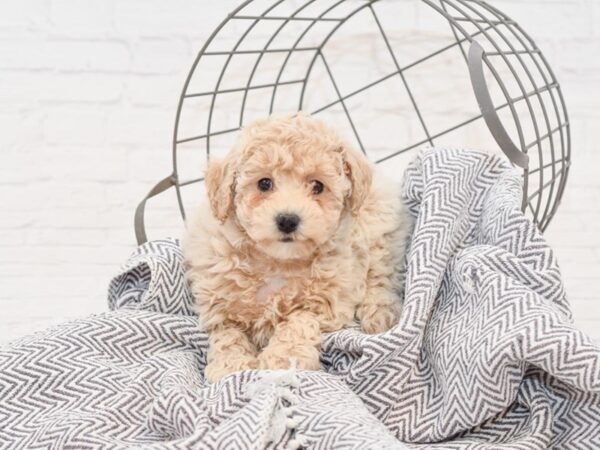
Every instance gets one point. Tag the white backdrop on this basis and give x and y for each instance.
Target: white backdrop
(88, 92)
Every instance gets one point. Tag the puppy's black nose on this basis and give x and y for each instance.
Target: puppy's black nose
(287, 223)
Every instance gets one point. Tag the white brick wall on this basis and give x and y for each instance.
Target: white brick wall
(88, 91)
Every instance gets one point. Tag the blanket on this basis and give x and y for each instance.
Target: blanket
(485, 355)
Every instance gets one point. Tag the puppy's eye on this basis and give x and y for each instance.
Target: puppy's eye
(317, 187)
(265, 184)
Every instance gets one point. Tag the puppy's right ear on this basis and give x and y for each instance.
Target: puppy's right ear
(220, 184)
(360, 172)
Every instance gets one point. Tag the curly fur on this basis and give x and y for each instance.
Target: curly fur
(264, 300)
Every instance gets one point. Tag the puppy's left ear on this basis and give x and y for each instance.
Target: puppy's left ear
(220, 181)
(360, 171)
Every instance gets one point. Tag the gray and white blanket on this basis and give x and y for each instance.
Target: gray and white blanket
(485, 355)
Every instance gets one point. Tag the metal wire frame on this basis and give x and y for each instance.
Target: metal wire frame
(507, 23)
(492, 28)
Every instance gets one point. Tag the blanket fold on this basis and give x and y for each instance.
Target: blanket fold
(485, 356)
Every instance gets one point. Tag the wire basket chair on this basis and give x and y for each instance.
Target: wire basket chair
(373, 69)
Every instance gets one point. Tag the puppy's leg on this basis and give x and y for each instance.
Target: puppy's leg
(298, 337)
(229, 350)
(380, 309)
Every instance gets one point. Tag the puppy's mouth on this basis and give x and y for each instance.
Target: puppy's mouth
(286, 239)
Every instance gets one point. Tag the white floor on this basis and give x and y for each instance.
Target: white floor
(575, 235)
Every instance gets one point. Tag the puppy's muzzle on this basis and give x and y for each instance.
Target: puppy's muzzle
(287, 223)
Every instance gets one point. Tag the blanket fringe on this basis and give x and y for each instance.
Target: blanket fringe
(280, 385)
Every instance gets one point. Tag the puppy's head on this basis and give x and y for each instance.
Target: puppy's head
(288, 182)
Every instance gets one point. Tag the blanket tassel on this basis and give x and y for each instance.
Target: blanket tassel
(282, 418)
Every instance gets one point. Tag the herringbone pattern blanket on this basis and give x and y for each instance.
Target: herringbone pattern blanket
(485, 355)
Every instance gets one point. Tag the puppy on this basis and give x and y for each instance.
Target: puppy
(296, 239)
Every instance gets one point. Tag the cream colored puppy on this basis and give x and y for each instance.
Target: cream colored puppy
(296, 239)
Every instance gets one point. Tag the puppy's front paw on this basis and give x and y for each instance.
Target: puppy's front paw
(215, 370)
(376, 319)
(307, 358)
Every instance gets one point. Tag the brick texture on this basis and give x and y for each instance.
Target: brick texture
(88, 92)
